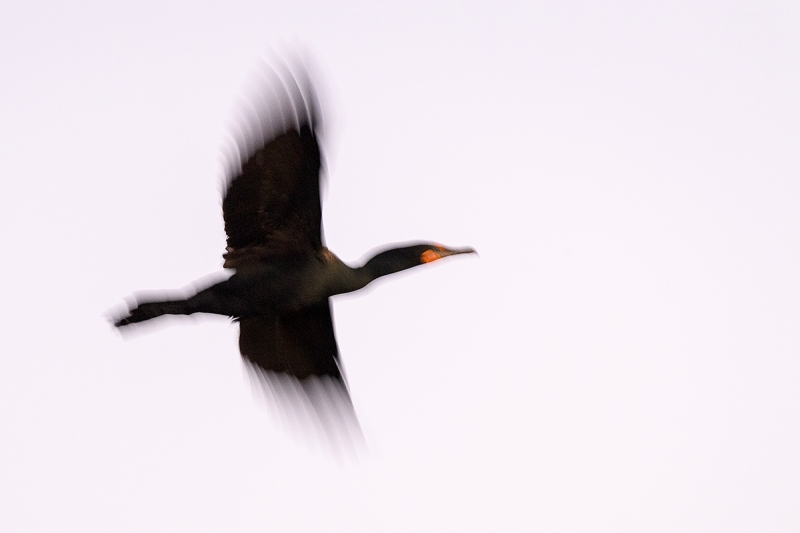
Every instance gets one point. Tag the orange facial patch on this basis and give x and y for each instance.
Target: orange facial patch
(429, 255)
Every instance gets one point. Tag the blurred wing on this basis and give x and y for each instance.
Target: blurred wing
(300, 344)
(272, 205)
(294, 362)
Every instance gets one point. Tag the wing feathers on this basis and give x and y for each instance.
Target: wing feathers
(273, 201)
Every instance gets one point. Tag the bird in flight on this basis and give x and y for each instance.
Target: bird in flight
(284, 276)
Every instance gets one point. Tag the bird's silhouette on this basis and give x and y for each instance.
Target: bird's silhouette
(284, 275)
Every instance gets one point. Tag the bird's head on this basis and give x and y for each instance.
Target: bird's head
(404, 257)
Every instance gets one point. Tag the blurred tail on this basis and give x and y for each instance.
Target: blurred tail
(205, 301)
(149, 310)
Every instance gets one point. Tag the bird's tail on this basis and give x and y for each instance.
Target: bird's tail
(215, 299)
(146, 311)
(205, 301)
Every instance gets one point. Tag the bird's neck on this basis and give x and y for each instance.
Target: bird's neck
(341, 278)
(347, 279)
(385, 263)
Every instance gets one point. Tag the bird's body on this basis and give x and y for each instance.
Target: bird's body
(284, 275)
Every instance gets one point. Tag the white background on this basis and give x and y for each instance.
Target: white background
(624, 356)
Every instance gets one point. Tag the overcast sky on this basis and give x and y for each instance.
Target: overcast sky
(623, 356)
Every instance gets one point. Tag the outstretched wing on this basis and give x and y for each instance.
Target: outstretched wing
(293, 359)
(294, 362)
(300, 344)
(272, 205)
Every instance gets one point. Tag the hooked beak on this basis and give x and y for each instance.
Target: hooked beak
(455, 251)
(438, 251)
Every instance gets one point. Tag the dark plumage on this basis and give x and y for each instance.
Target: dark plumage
(284, 275)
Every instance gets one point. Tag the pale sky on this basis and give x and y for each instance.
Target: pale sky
(623, 356)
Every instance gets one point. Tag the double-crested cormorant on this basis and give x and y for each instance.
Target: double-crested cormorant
(284, 274)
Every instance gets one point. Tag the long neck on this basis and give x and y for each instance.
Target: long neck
(389, 262)
(346, 279)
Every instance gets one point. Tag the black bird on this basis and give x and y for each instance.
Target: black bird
(284, 275)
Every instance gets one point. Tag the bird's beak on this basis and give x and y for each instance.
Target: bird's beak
(455, 251)
(438, 251)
